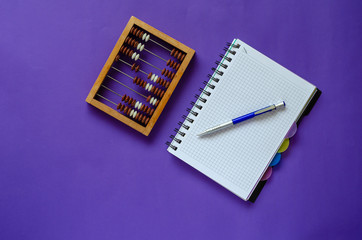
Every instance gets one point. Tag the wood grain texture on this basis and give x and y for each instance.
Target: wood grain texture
(189, 53)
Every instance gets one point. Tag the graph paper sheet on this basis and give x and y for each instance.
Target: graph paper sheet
(237, 157)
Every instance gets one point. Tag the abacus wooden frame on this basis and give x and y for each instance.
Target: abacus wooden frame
(189, 53)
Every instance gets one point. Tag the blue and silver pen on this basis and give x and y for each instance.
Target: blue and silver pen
(243, 118)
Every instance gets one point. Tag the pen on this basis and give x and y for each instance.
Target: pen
(243, 118)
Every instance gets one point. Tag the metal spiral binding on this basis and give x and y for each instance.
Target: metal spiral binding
(179, 132)
(200, 99)
(209, 85)
(196, 105)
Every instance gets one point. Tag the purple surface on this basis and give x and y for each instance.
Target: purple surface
(68, 171)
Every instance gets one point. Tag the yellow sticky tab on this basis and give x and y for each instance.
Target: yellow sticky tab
(284, 146)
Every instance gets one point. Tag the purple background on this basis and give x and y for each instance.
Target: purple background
(69, 171)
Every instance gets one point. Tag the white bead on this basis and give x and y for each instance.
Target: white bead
(134, 114)
(150, 87)
(134, 55)
(147, 86)
(139, 106)
(147, 37)
(131, 113)
(137, 56)
(136, 105)
(154, 101)
(142, 47)
(151, 100)
(144, 36)
(138, 46)
(152, 77)
(156, 77)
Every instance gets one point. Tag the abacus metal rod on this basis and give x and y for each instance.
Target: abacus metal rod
(106, 99)
(149, 64)
(111, 90)
(160, 45)
(126, 86)
(122, 72)
(131, 66)
(155, 54)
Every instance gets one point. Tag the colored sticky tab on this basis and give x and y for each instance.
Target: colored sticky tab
(275, 160)
(284, 146)
(292, 131)
(267, 174)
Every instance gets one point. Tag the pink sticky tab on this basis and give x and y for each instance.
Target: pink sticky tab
(267, 174)
(292, 131)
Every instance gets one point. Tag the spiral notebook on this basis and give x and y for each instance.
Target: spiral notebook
(244, 80)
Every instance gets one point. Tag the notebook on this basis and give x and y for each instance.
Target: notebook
(244, 80)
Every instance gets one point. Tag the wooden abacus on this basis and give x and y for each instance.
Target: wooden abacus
(131, 44)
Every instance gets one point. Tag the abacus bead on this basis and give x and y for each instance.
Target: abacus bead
(137, 116)
(183, 57)
(130, 53)
(137, 68)
(167, 84)
(133, 66)
(147, 38)
(148, 98)
(119, 105)
(163, 71)
(177, 66)
(149, 75)
(168, 62)
(123, 97)
(144, 36)
(157, 102)
(142, 108)
(143, 119)
(162, 93)
(117, 57)
(122, 108)
(133, 102)
(172, 52)
(127, 98)
(128, 111)
(148, 111)
(151, 112)
(179, 55)
(172, 75)
(147, 120)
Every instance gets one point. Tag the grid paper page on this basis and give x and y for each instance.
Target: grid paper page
(238, 156)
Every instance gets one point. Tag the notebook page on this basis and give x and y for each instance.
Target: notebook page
(238, 156)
